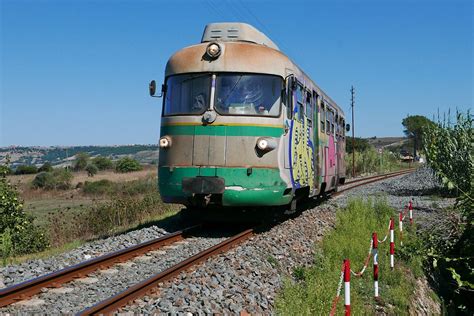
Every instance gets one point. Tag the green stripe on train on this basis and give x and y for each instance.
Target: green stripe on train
(223, 130)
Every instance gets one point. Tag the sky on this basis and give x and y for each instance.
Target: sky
(77, 72)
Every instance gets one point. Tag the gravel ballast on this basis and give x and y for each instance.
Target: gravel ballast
(247, 277)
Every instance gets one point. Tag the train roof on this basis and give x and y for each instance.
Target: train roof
(244, 49)
(235, 32)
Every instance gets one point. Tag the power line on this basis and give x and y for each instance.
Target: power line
(263, 26)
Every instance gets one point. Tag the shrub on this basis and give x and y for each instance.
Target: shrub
(58, 179)
(449, 151)
(47, 167)
(26, 169)
(91, 169)
(81, 161)
(98, 187)
(18, 235)
(127, 164)
(370, 161)
(102, 163)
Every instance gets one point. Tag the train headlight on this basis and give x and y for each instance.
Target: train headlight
(165, 142)
(213, 50)
(262, 143)
(266, 144)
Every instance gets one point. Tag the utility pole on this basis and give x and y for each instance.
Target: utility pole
(353, 139)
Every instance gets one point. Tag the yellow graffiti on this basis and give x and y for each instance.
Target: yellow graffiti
(302, 155)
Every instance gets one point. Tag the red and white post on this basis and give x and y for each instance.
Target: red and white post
(400, 226)
(347, 287)
(375, 244)
(392, 243)
(410, 209)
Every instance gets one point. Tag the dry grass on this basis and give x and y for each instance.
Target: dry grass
(23, 183)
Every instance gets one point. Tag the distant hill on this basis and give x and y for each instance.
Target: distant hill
(146, 154)
(395, 144)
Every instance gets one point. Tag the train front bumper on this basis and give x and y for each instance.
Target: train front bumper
(237, 186)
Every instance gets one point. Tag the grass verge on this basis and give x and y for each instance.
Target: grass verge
(313, 290)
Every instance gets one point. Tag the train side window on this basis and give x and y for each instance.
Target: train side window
(309, 109)
(343, 128)
(337, 125)
(322, 116)
(328, 121)
(300, 102)
(332, 123)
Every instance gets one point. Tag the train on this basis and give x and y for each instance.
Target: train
(243, 126)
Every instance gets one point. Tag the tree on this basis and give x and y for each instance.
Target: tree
(58, 179)
(127, 164)
(360, 144)
(81, 161)
(17, 232)
(46, 167)
(414, 126)
(91, 169)
(26, 169)
(102, 163)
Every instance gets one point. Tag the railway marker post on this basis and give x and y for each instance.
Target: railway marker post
(347, 287)
(392, 243)
(400, 225)
(353, 132)
(376, 264)
(410, 208)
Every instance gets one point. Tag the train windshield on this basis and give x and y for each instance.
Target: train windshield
(248, 94)
(187, 94)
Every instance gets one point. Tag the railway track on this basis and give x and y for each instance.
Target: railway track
(112, 304)
(367, 180)
(29, 288)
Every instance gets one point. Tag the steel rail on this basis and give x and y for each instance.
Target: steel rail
(112, 304)
(31, 287)
(372, 180)
(380, 175)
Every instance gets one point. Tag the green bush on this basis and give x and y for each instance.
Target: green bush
(449, 151)
(98, 187)
(58, 179)
(360, 144)
(103, 163)
(370, 161)
(129, 188)
(127, 164)
(18, 235)
(47, 167)
(26, 169)
(91, 169)
(82, 159)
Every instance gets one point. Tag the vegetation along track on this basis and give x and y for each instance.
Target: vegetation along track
(27, 289)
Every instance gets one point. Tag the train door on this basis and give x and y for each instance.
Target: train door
(322, 144)
(331, 149)
(300, 155)
(316, 129)
(338, 149)
(310, 122)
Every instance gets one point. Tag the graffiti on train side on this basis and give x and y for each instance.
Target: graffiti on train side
(301, 154)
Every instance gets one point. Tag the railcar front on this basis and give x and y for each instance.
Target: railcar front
(222, 127)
